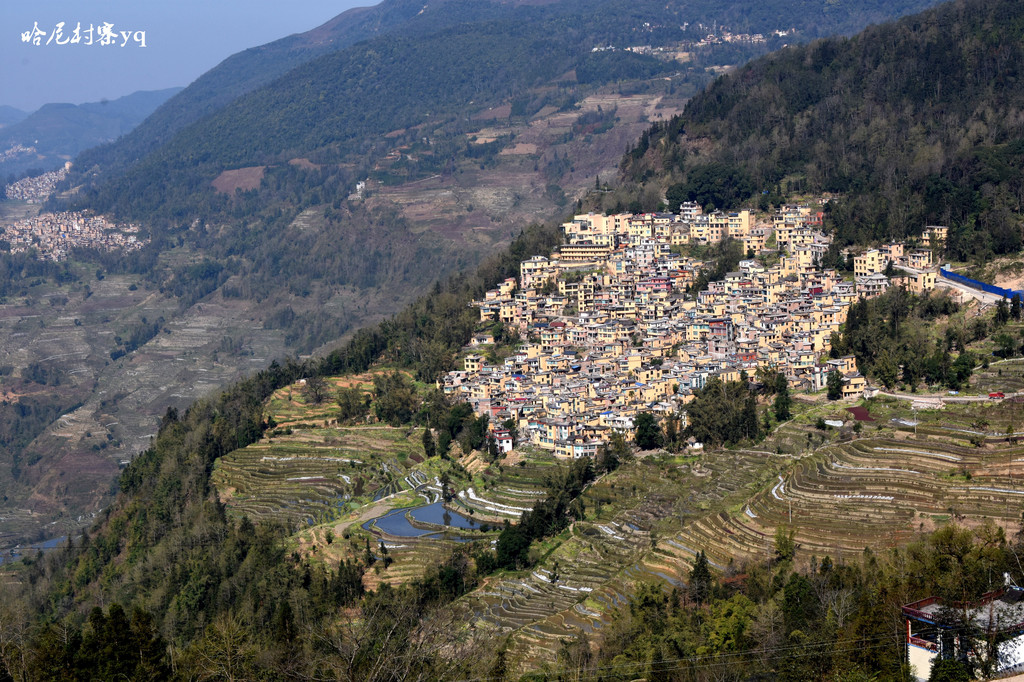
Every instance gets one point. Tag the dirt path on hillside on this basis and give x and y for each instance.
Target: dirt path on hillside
(315, 542)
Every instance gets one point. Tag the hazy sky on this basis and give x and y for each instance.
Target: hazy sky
(184, 39)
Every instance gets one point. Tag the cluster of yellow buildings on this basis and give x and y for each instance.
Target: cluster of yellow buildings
(920, 261)
(611, 330)
(54, 235)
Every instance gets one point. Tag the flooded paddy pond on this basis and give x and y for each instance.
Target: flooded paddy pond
(397, 523)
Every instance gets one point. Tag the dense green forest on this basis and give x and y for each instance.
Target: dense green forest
(190, 577)
(257, 66)
(723, 413)
(336, 108)
(254, 68)
(913, 122)
(891, 337)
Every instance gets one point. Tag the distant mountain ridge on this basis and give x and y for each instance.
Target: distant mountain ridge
(59, 131)
(10, 115)
(255, 67)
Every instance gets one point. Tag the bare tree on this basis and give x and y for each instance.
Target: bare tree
(225, 652)
(768, 630)
(14, 633)
(391, 638)
(315, 389)
(838, 603)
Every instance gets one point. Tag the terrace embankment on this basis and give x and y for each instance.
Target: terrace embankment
(837, 491)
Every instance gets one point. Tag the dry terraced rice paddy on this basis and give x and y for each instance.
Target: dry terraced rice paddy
(840, 497)
(838, 491)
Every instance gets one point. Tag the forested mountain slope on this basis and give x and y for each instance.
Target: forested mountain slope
(467, 122)
(58, 132)
(257, 66)
(463, 58)
(917, 121)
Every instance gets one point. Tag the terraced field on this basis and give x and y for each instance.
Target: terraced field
(1005, 375)
(500, 492)
(333, 484)
(589, 572)
(839, 494)
(308, 470)
(593, 567)
(879, 491)
(838, 490)
(314, 475)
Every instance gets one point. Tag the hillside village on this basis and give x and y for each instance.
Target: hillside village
(53, 235)
(16, 150)
(36, 189)
(611, 328)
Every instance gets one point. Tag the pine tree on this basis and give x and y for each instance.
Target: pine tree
(648, 433)
(700, 579)
(446, 490)
(1002, 311)
(429, 448)
(283, 627)
(835, 385)
(782, 399)
(751, 425)
(671, 432)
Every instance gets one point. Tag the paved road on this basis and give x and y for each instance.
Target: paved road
(981, 296)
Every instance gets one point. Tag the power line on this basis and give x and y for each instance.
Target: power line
(696, 664)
